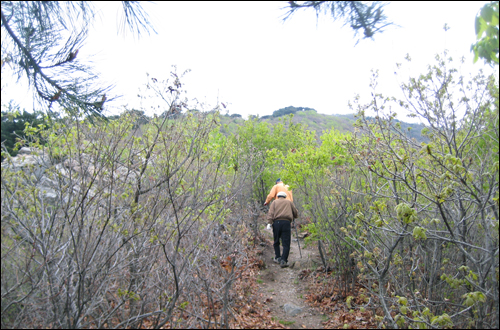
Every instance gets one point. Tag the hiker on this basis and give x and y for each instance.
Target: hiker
(280, 216)
(279, 186)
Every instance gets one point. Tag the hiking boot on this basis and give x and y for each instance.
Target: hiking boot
(283, 264)
(277, 260)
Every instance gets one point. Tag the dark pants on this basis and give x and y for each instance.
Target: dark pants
(281, 230)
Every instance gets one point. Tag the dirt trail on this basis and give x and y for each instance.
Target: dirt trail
(279, 286)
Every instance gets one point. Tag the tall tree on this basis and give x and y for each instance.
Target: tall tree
(41, 41)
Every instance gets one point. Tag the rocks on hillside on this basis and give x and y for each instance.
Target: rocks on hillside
(49, 174)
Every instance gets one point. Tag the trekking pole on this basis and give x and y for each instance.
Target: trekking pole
(297, 236)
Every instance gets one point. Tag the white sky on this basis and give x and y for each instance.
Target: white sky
(244, 54)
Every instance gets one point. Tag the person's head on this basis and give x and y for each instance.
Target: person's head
(281, 194)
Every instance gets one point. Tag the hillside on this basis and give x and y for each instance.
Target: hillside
(315, 121)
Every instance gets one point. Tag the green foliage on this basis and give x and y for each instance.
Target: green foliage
(268, 145)
(139, 117)
(313, 233)
(318, 122)
(419, 233)
(13, 127)
(290, 110)
(348, 301)
(342, 123)
(308, 161)
(408, 212)
(487, 34)
(128, 294)
(431, 193)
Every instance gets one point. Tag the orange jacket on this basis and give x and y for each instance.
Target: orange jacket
(280, 186)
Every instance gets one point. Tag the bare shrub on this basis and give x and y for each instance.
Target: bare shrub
(109, 228)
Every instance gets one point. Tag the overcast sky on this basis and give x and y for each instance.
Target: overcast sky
(244, 54)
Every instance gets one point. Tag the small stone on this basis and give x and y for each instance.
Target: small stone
(292, 309)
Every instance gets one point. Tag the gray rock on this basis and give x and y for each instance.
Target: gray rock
(28, 159)
(29, 163)
(70, 163)
(26, 151)
(60, 169)
(291, 309)
(49, 190)
(49, 196)
(123, 173)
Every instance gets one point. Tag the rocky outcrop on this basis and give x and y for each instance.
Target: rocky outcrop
(30, 160)
(56, 179)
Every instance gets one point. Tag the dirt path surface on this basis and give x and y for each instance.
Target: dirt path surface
(280, 287)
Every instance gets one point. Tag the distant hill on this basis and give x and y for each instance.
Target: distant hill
(316, 122)
(307, 116)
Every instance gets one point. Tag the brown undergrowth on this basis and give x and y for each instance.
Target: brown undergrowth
(342, 311)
